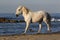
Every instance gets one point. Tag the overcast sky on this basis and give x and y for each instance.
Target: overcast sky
(9, 6)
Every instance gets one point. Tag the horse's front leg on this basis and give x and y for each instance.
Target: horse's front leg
(27, 25)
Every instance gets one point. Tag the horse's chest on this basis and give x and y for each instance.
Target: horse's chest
(27, 18)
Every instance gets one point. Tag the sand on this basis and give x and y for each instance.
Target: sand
(54, 36)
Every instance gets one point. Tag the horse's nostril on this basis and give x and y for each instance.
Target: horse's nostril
(16, 15)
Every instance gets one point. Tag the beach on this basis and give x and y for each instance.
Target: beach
(53, 36)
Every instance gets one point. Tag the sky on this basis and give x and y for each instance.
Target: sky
(9, 6)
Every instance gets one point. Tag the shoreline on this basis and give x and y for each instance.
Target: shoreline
(52, 36)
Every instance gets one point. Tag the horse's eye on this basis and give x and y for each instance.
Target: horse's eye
(18, 9)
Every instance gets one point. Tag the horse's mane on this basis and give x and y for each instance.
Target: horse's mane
(25, 9)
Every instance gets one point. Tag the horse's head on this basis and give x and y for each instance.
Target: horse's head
(18, 11)
(21, 10)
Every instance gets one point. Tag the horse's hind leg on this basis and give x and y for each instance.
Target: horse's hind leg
(48, 23)
(40, 26)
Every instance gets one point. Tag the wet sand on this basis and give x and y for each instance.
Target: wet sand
(53, 36)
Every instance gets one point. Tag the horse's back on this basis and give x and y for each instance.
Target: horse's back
(41, 15)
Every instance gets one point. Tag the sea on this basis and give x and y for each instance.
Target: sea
(18, 28)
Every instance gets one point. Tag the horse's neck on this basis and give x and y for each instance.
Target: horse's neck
(26, 15)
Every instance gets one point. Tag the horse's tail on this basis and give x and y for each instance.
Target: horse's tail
(48, 17)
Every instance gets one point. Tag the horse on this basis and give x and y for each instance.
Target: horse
(32, 17)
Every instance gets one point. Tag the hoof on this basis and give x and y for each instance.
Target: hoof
(38, 32)
(49, 31)
(23, 33)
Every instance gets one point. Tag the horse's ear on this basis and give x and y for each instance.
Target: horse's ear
(25, 10)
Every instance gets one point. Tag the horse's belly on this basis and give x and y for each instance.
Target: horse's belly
(35, 19)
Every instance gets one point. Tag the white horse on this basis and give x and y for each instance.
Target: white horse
(30, 16)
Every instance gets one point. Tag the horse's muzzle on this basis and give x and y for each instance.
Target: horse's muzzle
(17, 15)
